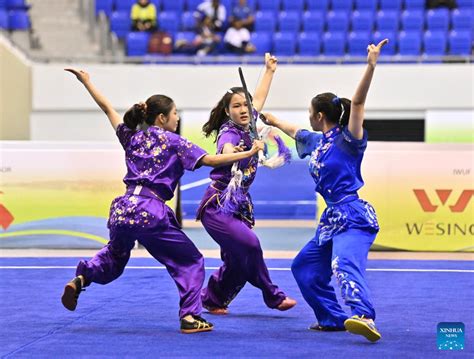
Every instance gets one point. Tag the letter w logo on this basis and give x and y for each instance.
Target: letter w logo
(6, 218)
(443, 195)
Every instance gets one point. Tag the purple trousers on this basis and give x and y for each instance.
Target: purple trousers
(168, 244)
(243, 261)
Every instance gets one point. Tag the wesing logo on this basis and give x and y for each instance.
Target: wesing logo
(427, 204)
(443, 195)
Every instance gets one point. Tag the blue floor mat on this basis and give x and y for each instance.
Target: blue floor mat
(137, 315)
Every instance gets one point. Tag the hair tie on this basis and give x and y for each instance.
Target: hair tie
(337, 101)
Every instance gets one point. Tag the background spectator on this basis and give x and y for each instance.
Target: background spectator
(205, 42)
(237, 37)
(215, 11)
(237, 40)
(143, 15)
(242, 16)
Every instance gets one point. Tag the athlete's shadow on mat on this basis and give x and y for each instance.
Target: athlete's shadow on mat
(251, 316)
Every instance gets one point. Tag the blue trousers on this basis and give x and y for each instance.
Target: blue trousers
(345, 256)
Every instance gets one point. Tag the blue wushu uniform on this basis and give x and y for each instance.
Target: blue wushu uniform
(346, 231)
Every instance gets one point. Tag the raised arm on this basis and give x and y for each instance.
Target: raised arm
(228, 158)
(286, 127)
(100, 99)
(356, 118)
(264, 86)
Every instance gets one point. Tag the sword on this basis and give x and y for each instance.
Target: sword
(253, 123)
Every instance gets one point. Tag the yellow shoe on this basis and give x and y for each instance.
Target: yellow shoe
(362, 326)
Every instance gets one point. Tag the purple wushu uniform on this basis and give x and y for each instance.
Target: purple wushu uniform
(346, 230)
(240, 248)
(156, 160)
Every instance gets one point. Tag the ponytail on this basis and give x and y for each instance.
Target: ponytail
(218, 114)
(135, 115)
(344, 118)
(148, 111)
(216, 119)
(337, 110)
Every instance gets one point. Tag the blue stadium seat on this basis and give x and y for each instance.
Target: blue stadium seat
(393, 5)
(185, 35)
(284, 43)
(309, 44)
(435, 43)
(465, 4)
(462, 20)
(137, 43)
(357, 43)
(18, 20)
(262, 42)
(409, 43)
(173, 5)
(317, 5)
(414, 4)
(413, 20)
(3, 4)
(17, 5)
(337, 21)
(104, 6)
(188, 21)
(437, 19)
(228, 4)
(293, 5)
(124, 5)
(3, 19)
(366, 5)
(342, 5)
(334, 43)
(120, 23)
(362, 21)
(252, 4)
(157, 4)
(269, 5)
(460, 43)
(387, 21)
(388, 49)
(265, 21)
(193, 4)
(168, 21)
(289, 21)
(313, 21)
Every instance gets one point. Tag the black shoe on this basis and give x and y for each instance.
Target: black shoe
(71, 293)
(198, 325)
(321, 328)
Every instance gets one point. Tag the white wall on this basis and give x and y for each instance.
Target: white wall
(15, 93)
(63, 110)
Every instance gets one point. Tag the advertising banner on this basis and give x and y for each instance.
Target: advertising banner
(58, 195)
(422, 194)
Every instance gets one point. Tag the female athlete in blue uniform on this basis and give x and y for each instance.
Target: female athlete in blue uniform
(348, 226)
